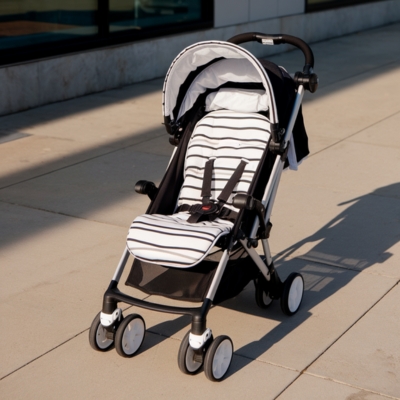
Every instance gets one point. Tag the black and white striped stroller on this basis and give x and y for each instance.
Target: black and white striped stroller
(236, 123)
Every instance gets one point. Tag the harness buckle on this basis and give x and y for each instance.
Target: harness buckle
(204, 209)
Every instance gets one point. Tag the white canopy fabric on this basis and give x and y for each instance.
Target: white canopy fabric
(238, 100)
(236, 65)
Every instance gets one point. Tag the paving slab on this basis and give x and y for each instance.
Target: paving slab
(31, 156)
(54, 278)
(97, 113)
(338, 228)
(355, 168)
(368, 355)
(76, 371)
(101, 189)
(308, 387)
(294, 342)
(383, 134)
(356, 106)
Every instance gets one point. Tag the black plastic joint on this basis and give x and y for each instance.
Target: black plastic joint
(267, 232)
(199, 325)
(146, 187)
(241, 201)
(308, 80)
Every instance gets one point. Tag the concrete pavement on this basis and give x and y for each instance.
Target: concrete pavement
(66, 200)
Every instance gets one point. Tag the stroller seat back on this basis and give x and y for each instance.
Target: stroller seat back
(229, 139)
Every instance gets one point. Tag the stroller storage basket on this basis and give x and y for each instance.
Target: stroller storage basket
(192, 284)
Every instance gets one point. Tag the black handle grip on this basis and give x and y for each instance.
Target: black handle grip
(277, 39)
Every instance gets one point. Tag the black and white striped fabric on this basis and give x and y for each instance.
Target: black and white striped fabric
(228, 137)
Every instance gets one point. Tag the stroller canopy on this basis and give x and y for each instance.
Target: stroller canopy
(209, 66)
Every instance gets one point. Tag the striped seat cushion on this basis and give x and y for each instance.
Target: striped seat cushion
(171, 241)
(229, 137)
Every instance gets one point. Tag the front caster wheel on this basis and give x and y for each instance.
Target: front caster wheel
(190, 362)
(99, 338)
(292, 295)
(218, 358)
(262, 293)
(130, 335)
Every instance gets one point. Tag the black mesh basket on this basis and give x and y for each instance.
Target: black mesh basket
(192, 284)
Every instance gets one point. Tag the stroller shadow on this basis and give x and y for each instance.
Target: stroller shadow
(358, 238)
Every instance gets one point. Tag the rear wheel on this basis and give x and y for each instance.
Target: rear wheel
(292, 295)
(262, 293)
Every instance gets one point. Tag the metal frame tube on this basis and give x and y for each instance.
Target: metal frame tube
(257, 260)
(271, 201)
(218, 275)
(267, 251)
(121, 265)
(293, 116)
(267, 194)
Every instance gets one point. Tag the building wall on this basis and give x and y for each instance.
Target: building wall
(245, 11)
(36, 83)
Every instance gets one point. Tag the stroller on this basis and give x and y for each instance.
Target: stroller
(235, 123)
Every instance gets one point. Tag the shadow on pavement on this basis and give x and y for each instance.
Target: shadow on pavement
(358, 238)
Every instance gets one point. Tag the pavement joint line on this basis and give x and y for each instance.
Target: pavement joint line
(80, 162)
(327, 378)
(42, 355)
(354, 134)
(52, 349)
(59, 213)
(304, 371)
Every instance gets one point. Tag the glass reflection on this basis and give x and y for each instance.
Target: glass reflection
(139, 14)
(29, 22)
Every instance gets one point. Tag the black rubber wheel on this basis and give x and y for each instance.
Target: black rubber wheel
(218, 358)
(188, 362)
(292, 294)
(130, 335)
(97, 336)
(262, 294)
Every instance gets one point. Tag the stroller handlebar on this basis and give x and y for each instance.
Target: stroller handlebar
(264, 38)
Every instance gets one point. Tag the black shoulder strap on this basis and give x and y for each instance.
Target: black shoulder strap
(207, 179)
(233, 180)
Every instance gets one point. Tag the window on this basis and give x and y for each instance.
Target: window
(317, 5)
(29, 22)
(31, 29)
(140, 14)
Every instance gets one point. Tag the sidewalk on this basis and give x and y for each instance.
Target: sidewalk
(67, 198)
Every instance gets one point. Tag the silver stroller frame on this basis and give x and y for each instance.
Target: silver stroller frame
(198, 348)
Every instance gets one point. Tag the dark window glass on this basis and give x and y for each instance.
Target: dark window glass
(142, 14)
(316, 5)
(32, 29)
(30, 22)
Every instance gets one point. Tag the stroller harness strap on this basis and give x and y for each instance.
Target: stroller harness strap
(209, 210)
